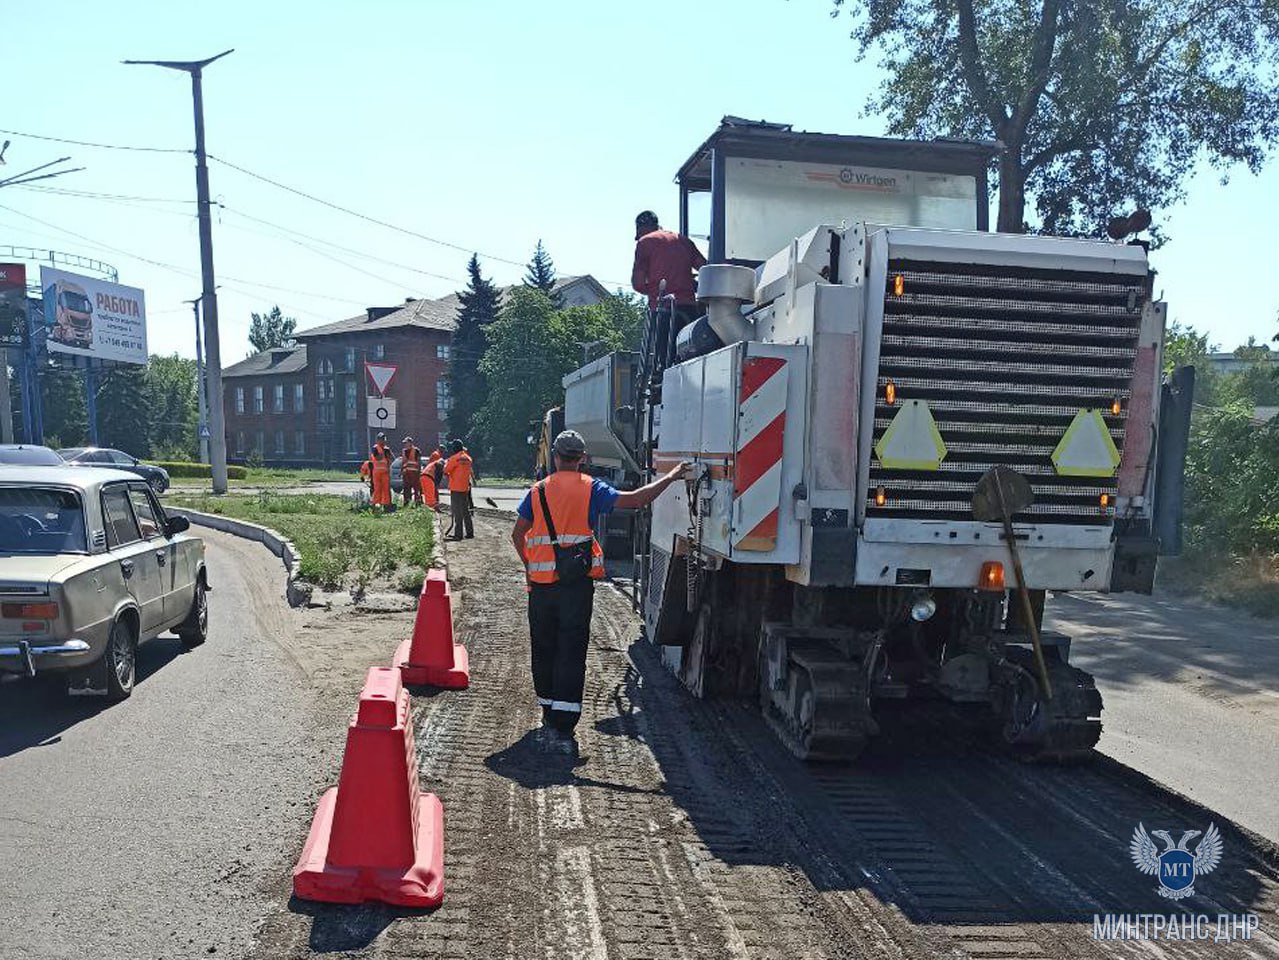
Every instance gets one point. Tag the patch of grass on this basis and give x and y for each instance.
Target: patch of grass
(341, 543)
(1249, 583)
(519, 482)
(271, 477)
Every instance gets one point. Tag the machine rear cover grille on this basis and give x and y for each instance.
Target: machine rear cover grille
(1005, 357)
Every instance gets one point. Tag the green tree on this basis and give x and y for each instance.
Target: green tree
(531, 349)
(541, 274)
(477, 310)
(1187, 347)
(62, 404)
(123, 417)
(271, 329)
(172, 409)
(1100, 104)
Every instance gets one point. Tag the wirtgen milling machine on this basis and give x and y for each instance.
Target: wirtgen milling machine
(873, 408)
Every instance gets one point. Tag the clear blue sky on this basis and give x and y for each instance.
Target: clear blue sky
(488, 125)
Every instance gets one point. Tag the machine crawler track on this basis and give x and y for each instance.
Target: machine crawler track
(830, 717)
(1064, 729)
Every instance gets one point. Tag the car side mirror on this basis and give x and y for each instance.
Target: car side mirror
(177, 525)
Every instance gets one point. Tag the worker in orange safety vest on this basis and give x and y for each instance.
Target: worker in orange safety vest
(432, 474)
(458, 468)
(380, 460)
(554, 538)
(411, 472)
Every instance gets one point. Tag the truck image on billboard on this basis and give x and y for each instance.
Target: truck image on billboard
(93, 318)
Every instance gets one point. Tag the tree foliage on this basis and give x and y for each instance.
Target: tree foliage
(172, 409)
(271, 329)
(477, 310)
(1101, 105)
(531, 348)
(541, 273)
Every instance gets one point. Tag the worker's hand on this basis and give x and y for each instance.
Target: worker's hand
(681, 471)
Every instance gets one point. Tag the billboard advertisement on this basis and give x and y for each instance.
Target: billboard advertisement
(13, 304)
(93, 318)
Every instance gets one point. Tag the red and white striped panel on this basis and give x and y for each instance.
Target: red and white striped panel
(757, 480)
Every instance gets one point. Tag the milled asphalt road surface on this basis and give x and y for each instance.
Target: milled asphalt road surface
(147, 829)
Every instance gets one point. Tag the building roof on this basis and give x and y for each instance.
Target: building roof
(440, 314)
(275, 360)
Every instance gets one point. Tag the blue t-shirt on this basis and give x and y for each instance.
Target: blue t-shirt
(603, 497)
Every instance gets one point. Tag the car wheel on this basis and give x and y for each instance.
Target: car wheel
(158, 485)
(121, 661)
(194, 630)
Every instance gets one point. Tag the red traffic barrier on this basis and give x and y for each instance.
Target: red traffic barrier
(430, 657)
(375, 835)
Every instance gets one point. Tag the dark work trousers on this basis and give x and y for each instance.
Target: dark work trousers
(460, 506)
(559, 623)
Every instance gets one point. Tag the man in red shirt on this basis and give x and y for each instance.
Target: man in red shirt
(662, 255)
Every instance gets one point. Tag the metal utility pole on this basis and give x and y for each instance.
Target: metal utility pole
(202, 420)
(209, 297)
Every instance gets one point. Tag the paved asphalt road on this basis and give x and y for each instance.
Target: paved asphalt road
(149, 829)
(1191, 696)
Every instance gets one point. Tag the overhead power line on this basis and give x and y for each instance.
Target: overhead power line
(355, 213)
(101, 146)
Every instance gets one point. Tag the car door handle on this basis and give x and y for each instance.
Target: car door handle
(126, 567)
(162, 556)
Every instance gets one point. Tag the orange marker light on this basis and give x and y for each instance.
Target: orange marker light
(992, 576)
(899, 285)
(881, 497)
(1116, 408)
(890, 393)
(1105, 500)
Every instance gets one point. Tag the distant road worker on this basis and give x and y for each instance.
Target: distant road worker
(458, 469)
(380, 459)
(411, 472)
(661, 255)
(432, 475)
(563, 508)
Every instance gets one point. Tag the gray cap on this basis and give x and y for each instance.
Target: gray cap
(569, 443)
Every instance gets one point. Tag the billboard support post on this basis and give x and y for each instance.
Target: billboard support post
(91, 403)
(217, 430)
(6, 403)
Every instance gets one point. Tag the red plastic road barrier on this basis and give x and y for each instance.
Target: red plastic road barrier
(375, 835)
(430, 657)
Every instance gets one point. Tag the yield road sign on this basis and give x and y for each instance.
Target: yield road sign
(381, 374)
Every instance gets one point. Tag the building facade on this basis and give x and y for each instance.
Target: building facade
(307, 405)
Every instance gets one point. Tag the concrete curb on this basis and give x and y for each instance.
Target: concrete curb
(296, 590)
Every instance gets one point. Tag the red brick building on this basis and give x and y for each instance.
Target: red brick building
(307, 405)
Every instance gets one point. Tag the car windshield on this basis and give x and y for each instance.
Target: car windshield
(71, 453)
(36, 456)
(43, 520)
(76, 301)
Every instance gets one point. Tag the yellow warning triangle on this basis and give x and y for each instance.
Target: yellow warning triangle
(912, 441)
(1086, 449)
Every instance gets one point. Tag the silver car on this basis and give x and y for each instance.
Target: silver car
(90, 566)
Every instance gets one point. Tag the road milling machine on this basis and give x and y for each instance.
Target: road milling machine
(906, 432)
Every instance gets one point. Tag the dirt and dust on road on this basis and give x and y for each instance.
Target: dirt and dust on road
(686, 831)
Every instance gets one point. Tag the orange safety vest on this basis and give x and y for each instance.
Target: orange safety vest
(568, 494)
(412, 459)
(381, 458)
(458, 469)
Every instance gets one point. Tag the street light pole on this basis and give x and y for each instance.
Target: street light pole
(209, 297)
(202, 420)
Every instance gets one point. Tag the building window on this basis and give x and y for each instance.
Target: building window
(239, 442)
(352, 439)
(350, 359)
(299, 441)
(441, 351)
(279, 441)
(326, 414)
(277, 405)
(257, 399)
(239, 399)
(260, 443)
(350, 399)
(325, 368)
(443, 399)
(298, 401)
(379, 351)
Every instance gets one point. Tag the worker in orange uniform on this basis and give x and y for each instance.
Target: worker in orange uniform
(411, 472)
(432, 474)
(458, 468)
(380, 459)
(554, 538)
